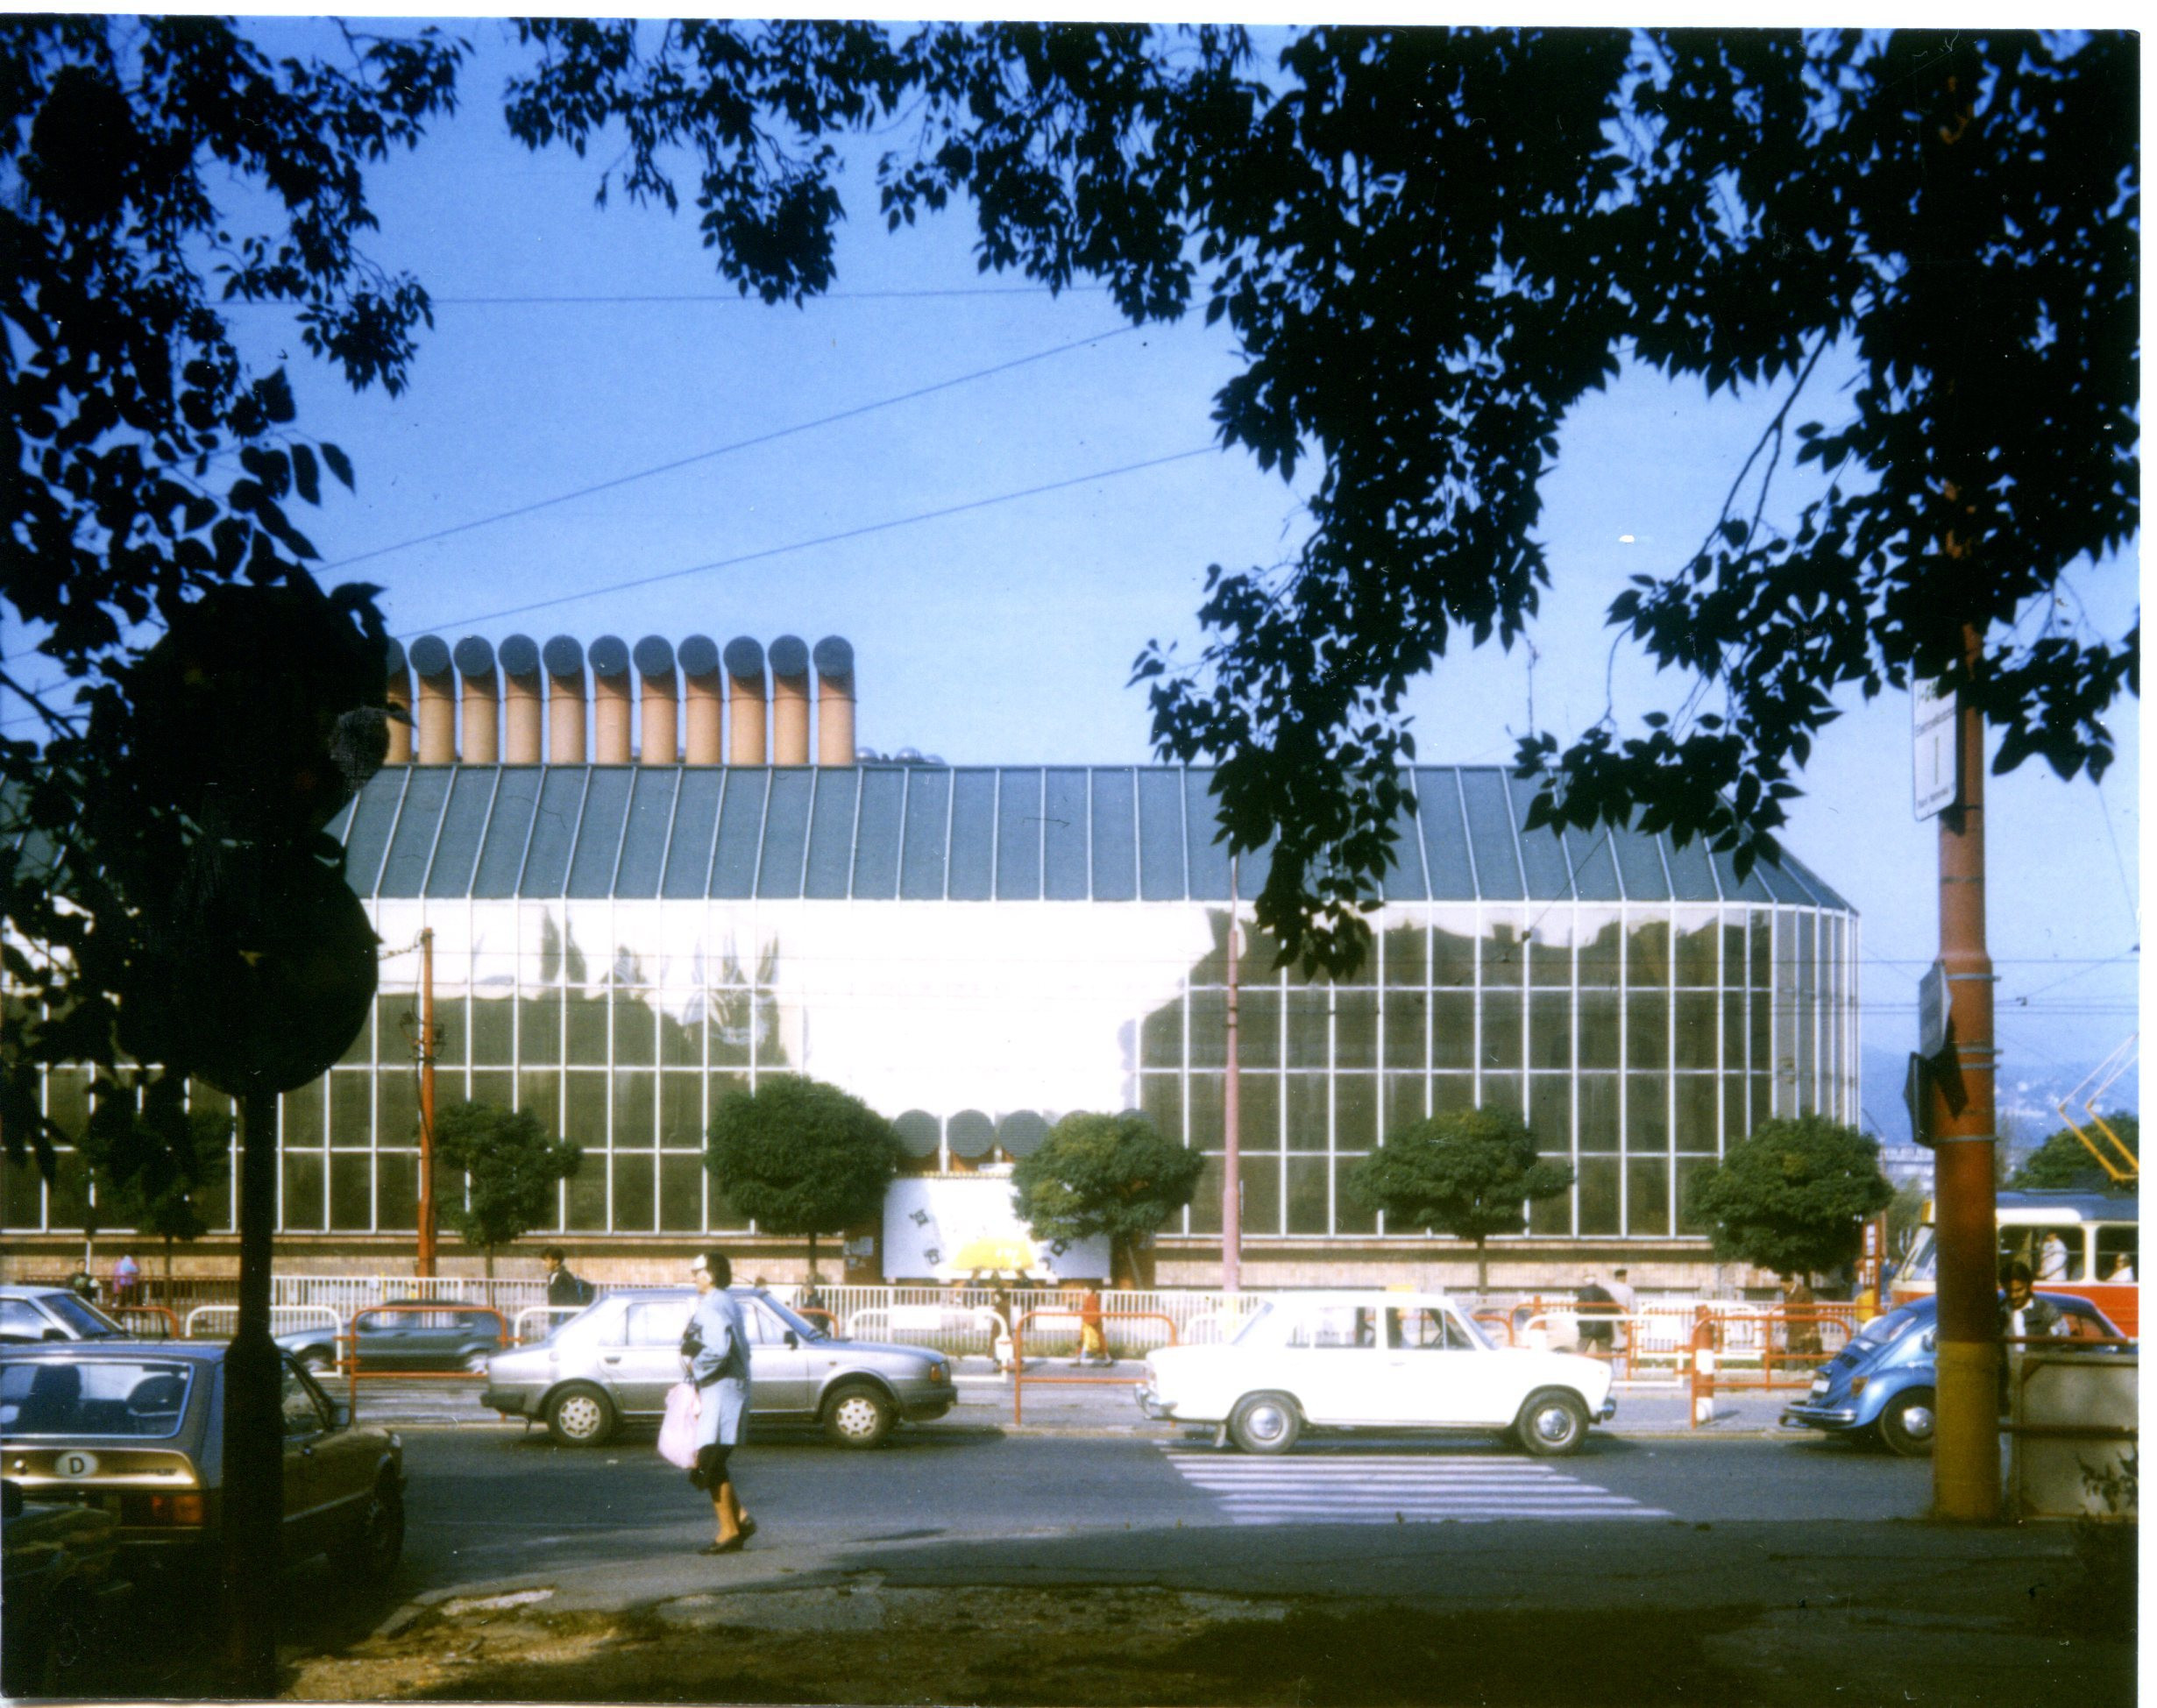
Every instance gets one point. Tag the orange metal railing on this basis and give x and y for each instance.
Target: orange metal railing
(125, 1316)
(348, 1343)
(1019, 1378)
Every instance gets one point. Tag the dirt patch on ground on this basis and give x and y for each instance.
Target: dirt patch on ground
(862, 1642)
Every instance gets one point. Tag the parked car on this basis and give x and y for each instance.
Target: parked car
(57, 1565)
(613, 1363)
(30, 1315)
(403, 1339)
(1341, 1359)
(135, 1429)
(1880, 1388)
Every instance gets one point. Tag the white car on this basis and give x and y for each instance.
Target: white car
(1375, 1360)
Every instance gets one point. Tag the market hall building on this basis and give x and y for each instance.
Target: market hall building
(647, 886)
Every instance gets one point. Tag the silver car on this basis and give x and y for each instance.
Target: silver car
(613, 1362)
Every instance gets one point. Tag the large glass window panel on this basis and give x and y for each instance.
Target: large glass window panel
(1308, 1026)
(1647, 1196)
(1500, 1022)
(681, 1111)
(1452, 1026)
(1257, 1026)
(680, 1018)
(1689, 1170)
(1019, 837)
(1452, 948)
(1733, 1031)
(1258, 1106)
(361, 1051)
(971, 876)
(1065, 814)
(731, 1026)
(587, 1028)
(1161, 1036)
(1542, 855)
(1204, 1126)
(1490, 834)
(396, 1107)
(1760, 1099)
(1407, 1019)
(1549, 1113)
(1640, 865)
(1598, 1098)
(1759, 959)
(1404, 953)
(1700, 932)
(301, 1125)
(830, 865)
(22, 1195)
(1205, 858)
(351, 1192)
(1160, 835)
(1504, 949)
(1261, 1195)
(741, 838)
(635, 1103)
(452, 1028)
(554, 831)
(584, 1116)
(1115, 836)
(1355, 1112)
(786, 833)
(1160, 1100)
(1550, 1029)
(1648, 953)
(587, 1196)
(1598, 1193)
(1406, 1098)
(599, 838)
(374, 815)
(1355, 1028)
(1452, 1093)
(539, 1094)
(1310, 1118)
(405, 872)
(1647, 1029)
(305, 1180)
(351, 1112)
(1350, 1215)
(636, 1029)
(457, 848)
(1594, 868)
(1205, 1213)
(644, 843)
(1596, 958)
(635, 1209)
(1761, 1046)
(1500, 1093)
(493, 1030)
(681, 1193)
(928, 825)
(1692, 877)
(1550, 951)
(70, 1199)
(1208, 1037)
(498, 1089)
(695, 826)
(1647, 1112)
(539, 1028)
(1695, 1027)
(1597, 1035)
(1551, 1216)
(1307, 1195)
(1697, 1122)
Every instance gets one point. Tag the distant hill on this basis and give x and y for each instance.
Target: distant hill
(2027, 1096)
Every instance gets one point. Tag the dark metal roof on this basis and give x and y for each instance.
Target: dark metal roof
(935, 832)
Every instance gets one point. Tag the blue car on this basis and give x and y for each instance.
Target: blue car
(1880, 1385)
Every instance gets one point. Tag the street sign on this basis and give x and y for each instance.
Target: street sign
(1933, 1011)
(1936, 775)
(1916, 1084)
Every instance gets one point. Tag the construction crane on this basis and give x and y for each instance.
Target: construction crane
(2119, 1161)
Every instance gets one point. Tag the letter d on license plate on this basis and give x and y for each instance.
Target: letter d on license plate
(75, 1465)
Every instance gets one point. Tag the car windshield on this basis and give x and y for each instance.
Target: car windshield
(1248, 1331)
(85, 1320)
(800, 1325)
(113, 1397)
(1885, 1330)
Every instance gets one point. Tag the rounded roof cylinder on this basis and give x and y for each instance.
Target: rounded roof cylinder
(475, 668)
(610, 700)
(834, 702)
(702, 696)
(789, 700)
(659, 711)
(564, 661)
(400, 696)
(524, 706)
(438, 707)
(745, 701)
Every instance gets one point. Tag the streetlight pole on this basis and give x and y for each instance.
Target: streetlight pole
(1232, 1159)
(424, 1264)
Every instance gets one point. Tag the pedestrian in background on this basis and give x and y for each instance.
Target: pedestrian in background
(1800, 1324)
(565, 1291)
(715, 1350)
(126, 1277)
(1627, 1302)
(1093, 1342)
(810, 1302)
(1596, 1308)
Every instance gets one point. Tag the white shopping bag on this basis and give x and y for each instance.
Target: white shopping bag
(677, 1435)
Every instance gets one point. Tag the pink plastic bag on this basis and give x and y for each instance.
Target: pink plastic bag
(677, 1435)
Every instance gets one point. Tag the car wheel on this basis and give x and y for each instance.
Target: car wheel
(1265, 1423)
(580, 1416)
(316, 1362)
(475, 1362)
(378, 1543)
(1906, 1425)
(858, 1416)
(1552, 1423)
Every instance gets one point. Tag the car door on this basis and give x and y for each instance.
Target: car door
(341, 1468)
(1437, 1373)
(306, 1423)
(640, 1354)
(779, 1371)
(1331, 1362)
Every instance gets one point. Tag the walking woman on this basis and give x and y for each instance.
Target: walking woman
(715, 1348)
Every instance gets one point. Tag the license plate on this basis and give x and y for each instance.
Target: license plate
(1820, 1385)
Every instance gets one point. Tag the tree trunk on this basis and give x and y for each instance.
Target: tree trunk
(254, 1465)
(812, 1253)
(488, 1258)
(1482, 1265)
(168, 1272)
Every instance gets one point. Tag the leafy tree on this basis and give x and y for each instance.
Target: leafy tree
(511, 1165)
(154, 1171)
(2064, 1160)
(797, 1155)
(1109, 1175)
(1430, 246)
(1793, 1197)
(1469, 1173)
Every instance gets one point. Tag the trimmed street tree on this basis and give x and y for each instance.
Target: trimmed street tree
(1793, 1198)
(512, 1166)
(2064, 1160)
(1109, 1175)
(1469, 1172)
(799, 1156)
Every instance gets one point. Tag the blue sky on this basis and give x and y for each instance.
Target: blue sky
(575, 347)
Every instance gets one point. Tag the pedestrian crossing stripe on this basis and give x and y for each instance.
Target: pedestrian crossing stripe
(1394, 1488)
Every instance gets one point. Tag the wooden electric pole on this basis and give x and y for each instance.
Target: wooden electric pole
(1231, 1155)
(425, 1263)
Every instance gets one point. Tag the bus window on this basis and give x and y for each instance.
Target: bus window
(2054, 1253)
(2116, 1245)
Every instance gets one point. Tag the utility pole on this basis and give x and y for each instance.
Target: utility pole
(425, 1263)
(1231, 1158)
(1965, 1461)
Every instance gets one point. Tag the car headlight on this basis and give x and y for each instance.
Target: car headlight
(1858, 1384)
(940, 1372)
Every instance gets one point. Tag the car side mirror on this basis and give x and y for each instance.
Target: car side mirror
(340, 1414)
(1930, 1343)
(793, 1339)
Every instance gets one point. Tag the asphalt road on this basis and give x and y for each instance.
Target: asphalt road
(485, 1504)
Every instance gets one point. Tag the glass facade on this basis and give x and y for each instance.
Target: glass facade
(977, 952)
